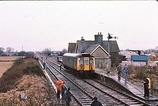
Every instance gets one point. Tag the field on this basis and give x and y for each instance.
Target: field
(6, 62)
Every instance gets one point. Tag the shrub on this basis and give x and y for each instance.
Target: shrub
(35, 70)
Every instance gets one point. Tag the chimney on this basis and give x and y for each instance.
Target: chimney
(82, 39)
(99, 38)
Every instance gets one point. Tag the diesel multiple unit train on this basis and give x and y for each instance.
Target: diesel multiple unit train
(82, 63)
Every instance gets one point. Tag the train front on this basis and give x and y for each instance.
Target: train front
(86, 64)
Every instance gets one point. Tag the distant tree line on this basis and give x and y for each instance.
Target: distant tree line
(7, 51)
(150, 51)
(10, 52)
(48, 52)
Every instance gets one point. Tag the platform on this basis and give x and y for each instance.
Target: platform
(136, 90)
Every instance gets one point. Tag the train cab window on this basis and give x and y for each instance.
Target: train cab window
(81, 61)
(91, 61)
(86, 62)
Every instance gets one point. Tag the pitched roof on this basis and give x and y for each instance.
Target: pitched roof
(92, 48)
(113, 45)
(86, 45)
(71, 47)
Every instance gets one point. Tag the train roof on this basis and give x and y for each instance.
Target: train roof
(77, 54)
(71, 54)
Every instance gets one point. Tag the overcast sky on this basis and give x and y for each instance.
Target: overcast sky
(53, 24)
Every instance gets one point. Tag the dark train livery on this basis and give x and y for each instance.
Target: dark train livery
(79, 62)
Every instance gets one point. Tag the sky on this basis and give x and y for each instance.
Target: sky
(36, 25)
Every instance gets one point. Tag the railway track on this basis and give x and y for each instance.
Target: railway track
(122, 98)
(84, 90)
(81, 96)
(106, 93)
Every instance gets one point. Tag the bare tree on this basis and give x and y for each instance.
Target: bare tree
(9, 49)
(64, 51)
(1, 50)
(47, 51)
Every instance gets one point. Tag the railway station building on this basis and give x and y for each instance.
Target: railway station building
(99, 49)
